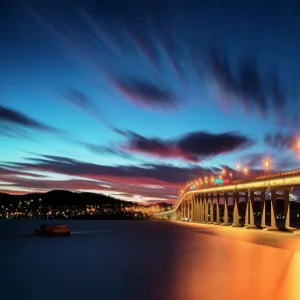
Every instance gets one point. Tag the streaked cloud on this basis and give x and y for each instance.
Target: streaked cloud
(193, 146)
(13, 123)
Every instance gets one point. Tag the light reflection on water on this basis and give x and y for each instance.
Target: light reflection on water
(146, 260)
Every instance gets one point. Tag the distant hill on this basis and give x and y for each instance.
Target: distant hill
(62, 198)
(57, 198)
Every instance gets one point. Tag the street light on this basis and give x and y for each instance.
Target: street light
(246, 171)
(237, 171)
(267, 165)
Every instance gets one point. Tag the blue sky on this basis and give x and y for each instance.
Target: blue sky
(134, 100)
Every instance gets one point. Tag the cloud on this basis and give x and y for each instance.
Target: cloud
(148, 180)
(7, 173)
(79, 99)
(146, 93)
(193, 146)
(99, 149)
(13, 123)
(246, 85)
(280, 141)
(83, 102)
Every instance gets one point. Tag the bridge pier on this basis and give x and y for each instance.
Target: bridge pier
(236, 201)
(218, 210)
(202, 208)
(211, 206)
(251, 213)
(287, 213)
(246, 209)
(225, 223)
(196, 208)
(273, 226)
(263, 210)
(198, 218)
(207, 209)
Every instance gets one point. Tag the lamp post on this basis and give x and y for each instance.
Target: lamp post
(267, 164)
(237, 171)
(245, 172)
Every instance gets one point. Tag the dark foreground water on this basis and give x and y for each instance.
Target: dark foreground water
(144, 260)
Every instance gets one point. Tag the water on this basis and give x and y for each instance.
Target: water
(145, 260)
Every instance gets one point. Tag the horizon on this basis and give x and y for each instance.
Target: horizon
(134, 101)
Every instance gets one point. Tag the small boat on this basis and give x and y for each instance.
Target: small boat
(53, 230)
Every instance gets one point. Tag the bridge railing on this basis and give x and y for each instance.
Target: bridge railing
(269, 176)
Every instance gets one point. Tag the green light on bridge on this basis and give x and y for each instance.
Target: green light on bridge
(219, 181)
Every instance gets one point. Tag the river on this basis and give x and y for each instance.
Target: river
(147, 260)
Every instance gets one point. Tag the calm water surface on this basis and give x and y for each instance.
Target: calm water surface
(144, 260)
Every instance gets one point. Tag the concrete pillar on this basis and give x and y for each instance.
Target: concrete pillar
(206, 208)
(181, 211)
(217, 210)
(251, 212)
(236, 201)
(201, 209)
(287, 212)
(189, 208)
(273, 211)
(211, 198)
(246, 209)
(197, 219)
(225, 223)
(193, 208)
(287, 209)
(263, 209)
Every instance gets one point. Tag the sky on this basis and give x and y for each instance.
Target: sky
(135, 98)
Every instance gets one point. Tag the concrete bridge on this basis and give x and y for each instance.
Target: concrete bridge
(203, 204)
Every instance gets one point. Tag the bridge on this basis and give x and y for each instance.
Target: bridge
(203, 204)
